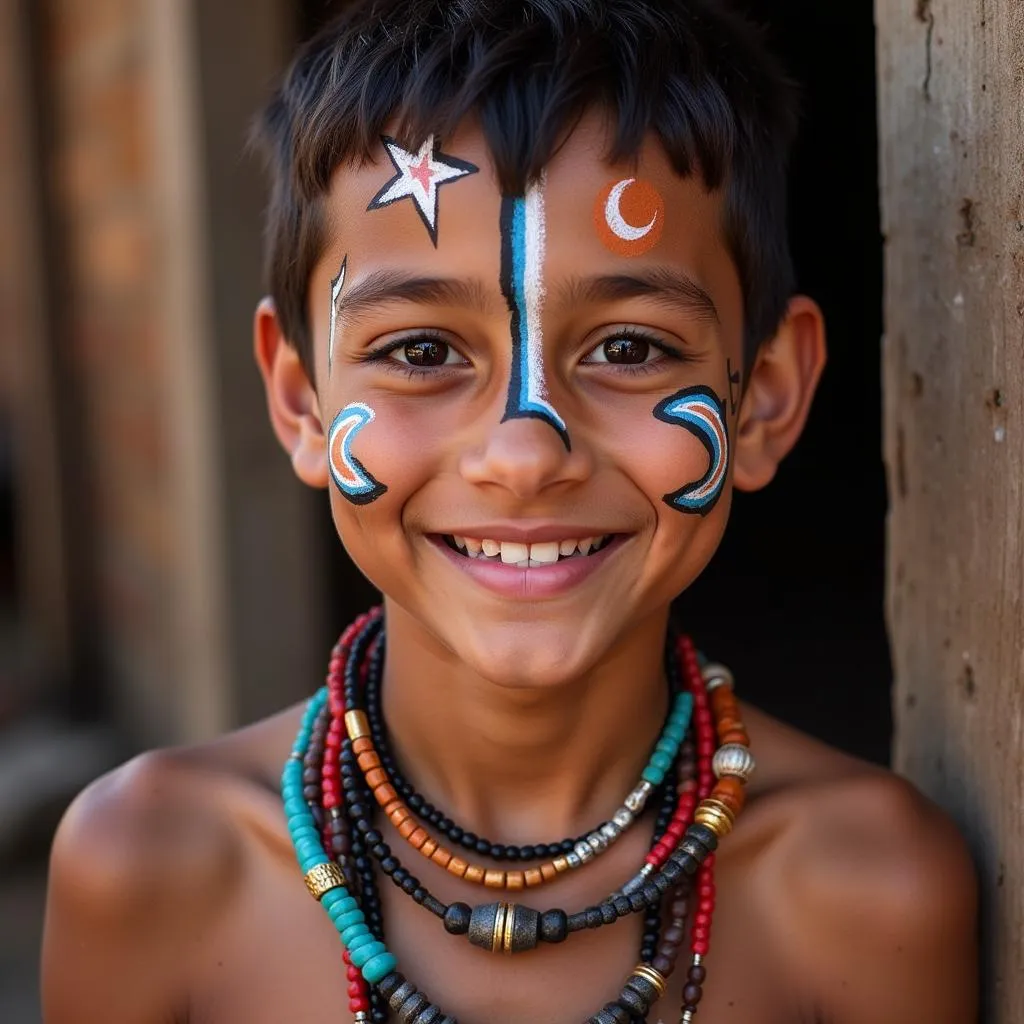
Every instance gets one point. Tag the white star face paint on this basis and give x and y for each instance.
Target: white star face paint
(522, 283)
(418, 176)
(336, 285)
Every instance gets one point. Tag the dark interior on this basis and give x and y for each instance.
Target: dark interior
(793, 601)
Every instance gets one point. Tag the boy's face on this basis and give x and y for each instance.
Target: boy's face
(554, 369)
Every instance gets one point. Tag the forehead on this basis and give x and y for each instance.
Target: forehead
(578, 185)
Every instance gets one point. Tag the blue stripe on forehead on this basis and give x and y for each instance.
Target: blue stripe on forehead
(522, 265)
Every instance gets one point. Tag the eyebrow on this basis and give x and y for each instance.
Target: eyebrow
(667, 286)
(389, 286)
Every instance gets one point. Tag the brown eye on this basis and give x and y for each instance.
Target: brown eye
(426, 353)
(626, 350)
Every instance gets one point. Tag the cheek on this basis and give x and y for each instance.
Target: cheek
(380, 462)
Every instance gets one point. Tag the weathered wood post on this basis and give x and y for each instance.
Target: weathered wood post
(951, 121)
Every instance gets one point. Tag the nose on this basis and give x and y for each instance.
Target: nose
(525, 457)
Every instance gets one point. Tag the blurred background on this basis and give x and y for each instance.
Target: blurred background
(163, 577)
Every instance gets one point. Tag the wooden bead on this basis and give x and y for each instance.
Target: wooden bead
(473, 873)
(736, 736)
(398, 815)
(514, 880)
(361, 745)
(429, 848)
(441, 857)
(493, 879)
(457, 866)
(534, 876)
(376, 777)
(548, 871)
(418, 837)
(731, 792)
(367, 760)
(390, 806)
(406, 829)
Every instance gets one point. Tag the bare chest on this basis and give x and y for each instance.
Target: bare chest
(277, 958)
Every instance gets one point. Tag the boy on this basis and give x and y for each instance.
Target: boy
(518, 252)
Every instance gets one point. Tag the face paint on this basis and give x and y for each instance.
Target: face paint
(522, 283)
(735, 382)
(629, 216)
(336, 285)
(418, 176)
(348, 473)
(700, 411)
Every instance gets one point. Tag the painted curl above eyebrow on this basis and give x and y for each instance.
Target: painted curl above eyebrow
(336, 286)
(701, 412)
(629, 216)
(419, 176)
(350, 476)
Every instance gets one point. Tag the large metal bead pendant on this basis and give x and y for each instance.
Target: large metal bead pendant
(734, 759)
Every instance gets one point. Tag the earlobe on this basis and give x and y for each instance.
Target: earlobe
(777, 400)
(291, 398)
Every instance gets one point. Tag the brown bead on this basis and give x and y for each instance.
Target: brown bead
(514, 880)
(692, 994)
(376, 777)
(361, 745)
(406, 829)
(663, 965)
(493, 878)
(368, 759)
(548, 870)
(398, 815)
(390, 806)
(731, 792)
(457, 866)
(697, 974)
(534, 876)
(474, 873)
(429, 847)
(675, 935)
(418, 838)
(385, 794)
(441, 856)
(736, 736)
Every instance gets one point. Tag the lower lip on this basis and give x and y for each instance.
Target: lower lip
(536, 582)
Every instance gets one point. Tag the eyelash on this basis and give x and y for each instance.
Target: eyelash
(408, 370)
(638, 369)
(411, 372)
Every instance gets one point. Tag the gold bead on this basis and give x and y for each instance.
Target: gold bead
(498, 932)
(716, 816)
(656, 978)
(356, 725)
(560, 864)
(323, 878)
(510, 923)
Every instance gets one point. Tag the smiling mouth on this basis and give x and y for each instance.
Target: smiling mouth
(527, 556)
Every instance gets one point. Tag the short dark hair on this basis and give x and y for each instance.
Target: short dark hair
(692, 72)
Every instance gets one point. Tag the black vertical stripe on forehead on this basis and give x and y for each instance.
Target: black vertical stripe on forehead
(506, 222)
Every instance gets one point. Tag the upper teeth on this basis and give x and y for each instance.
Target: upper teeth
(513, 552)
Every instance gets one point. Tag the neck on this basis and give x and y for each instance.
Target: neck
(523, 766)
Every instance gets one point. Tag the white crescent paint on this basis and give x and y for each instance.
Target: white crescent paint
(613, 215)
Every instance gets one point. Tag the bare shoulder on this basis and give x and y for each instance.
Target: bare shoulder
(144, 863)
(880, 893)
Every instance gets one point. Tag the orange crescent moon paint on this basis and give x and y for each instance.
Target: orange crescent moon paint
(629, 215)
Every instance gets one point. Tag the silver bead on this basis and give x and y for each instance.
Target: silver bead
(610, 831)
(623, 817)
(687, 1017)
(636, 800)
(596, 841)
(573, 859)
(583, 850)
(733, 759)
(715, 675)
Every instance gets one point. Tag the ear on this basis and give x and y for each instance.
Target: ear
(291, 398)
(778, 395)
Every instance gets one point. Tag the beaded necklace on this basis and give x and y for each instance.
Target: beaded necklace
(329, 806)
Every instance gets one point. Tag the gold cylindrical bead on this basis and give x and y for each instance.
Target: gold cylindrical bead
(323, 878)
(510, 923)
(560, 864)
(716, 816)
(356, 724)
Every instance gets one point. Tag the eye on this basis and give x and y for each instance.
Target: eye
(626, 350)
(425, 352)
